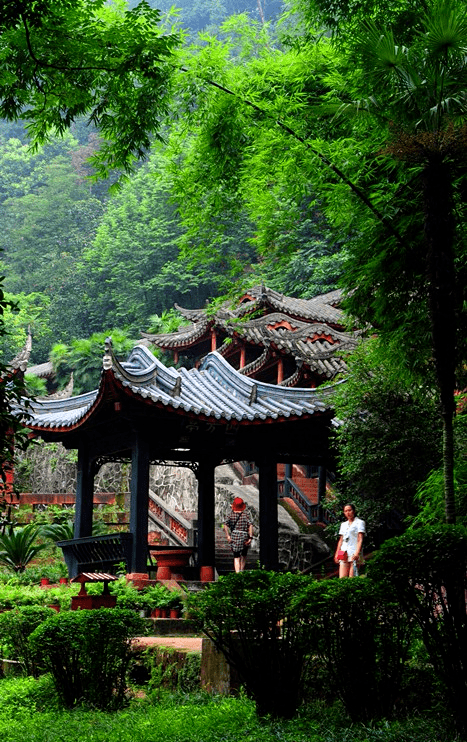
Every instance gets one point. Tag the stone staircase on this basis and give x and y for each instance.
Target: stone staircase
(296, 550)
(224, 558)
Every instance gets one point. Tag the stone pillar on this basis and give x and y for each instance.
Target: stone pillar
(268, 517)
(139, 494)
(206, 520)
(84, 493)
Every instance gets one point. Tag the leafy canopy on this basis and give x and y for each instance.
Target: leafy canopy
(87, 58)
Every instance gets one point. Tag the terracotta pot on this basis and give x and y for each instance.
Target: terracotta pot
(45, 581)
(163, 612)
(63, 580)
(156, 613)
(174, 613)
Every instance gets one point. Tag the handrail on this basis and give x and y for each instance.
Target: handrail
(179, 530)
(313, 513)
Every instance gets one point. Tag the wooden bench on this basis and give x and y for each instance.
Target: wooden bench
(97, 553)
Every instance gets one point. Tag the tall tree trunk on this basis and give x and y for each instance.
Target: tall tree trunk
(448, 468)
(439, 236)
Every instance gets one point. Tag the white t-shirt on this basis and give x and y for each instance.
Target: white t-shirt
(349, 532)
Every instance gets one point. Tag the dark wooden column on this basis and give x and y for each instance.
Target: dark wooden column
(321, 484)
(139, 502)
(206, 519)
(287, 476)
(84, 493)
(268, 525)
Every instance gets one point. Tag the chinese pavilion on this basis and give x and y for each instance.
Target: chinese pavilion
(148, 413)
(267, 336)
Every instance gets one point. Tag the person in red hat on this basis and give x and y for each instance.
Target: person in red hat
(239, 531)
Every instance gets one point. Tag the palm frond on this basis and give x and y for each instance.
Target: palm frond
(445, 32)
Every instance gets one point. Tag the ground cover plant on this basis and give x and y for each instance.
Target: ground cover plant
(29, 713)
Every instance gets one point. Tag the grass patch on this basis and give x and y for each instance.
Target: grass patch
(29, 713)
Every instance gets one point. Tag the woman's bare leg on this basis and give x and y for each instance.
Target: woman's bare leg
(344, 569)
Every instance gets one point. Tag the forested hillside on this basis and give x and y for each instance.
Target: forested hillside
(79, 259)
(317, 143)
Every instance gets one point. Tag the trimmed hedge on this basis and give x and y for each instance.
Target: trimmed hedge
(428, 571)
(249, 617)
(362, 637)
(88, 654)
(16, 626)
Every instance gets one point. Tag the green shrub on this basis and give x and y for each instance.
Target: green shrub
(362, 635)
(12, 595)
(128, 597)
(88, 654)
(428, 570)
(15, 628)
(250, 618)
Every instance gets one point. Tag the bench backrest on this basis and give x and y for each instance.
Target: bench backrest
(92, 553)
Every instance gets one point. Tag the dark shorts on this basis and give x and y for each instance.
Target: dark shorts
(243, 552)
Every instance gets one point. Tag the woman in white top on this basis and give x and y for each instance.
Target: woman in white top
(350, 541)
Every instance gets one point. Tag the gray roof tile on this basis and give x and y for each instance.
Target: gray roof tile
(216, 390)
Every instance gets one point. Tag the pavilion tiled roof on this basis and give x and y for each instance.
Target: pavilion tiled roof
(311, 331)
(319, 309)
(214, 391)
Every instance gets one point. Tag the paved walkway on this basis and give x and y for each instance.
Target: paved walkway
(188, 643)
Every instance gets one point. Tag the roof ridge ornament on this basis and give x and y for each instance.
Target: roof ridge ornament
(253, 394)
(107, 360)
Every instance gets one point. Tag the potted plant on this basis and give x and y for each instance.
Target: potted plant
(158, 597)
(175, 604)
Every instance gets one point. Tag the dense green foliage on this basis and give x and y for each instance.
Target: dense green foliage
(87, 58)
(288, 635)
(427, 569)
(88, 654)
(388, 440)
(361, 633)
